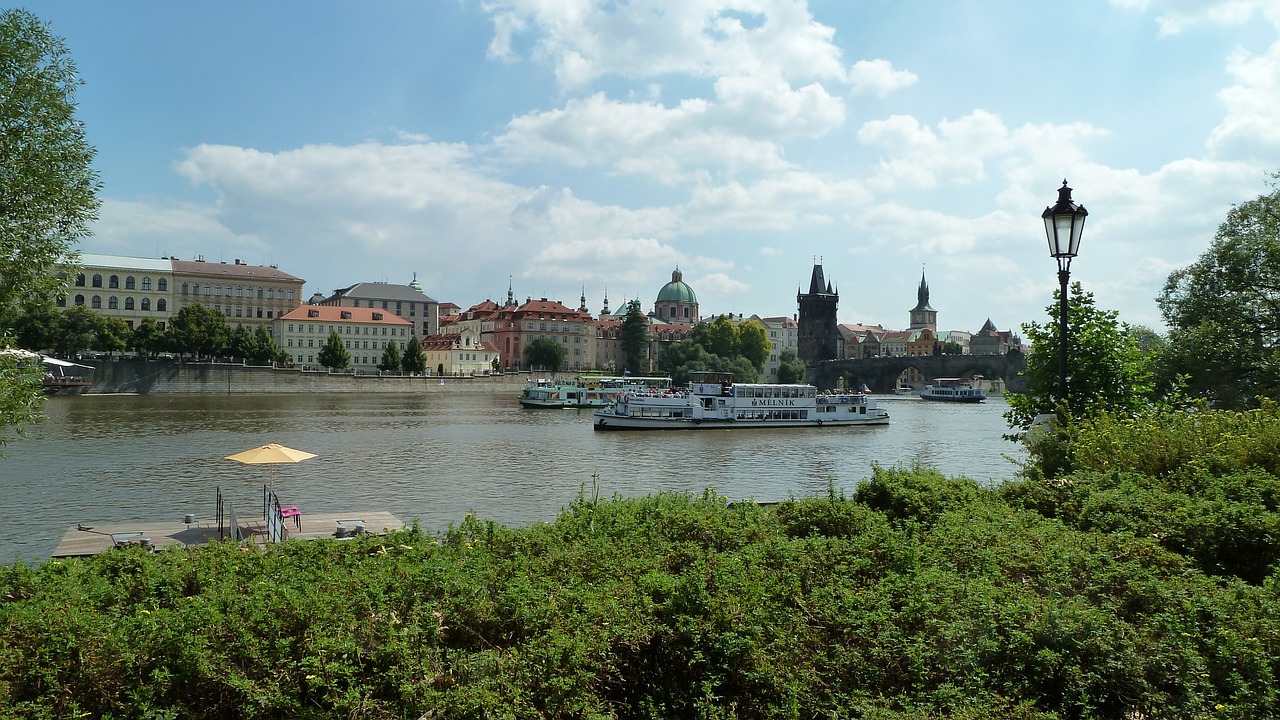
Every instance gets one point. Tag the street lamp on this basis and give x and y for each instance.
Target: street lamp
(1063, 226)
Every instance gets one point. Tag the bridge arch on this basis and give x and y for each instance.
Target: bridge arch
(881, 374)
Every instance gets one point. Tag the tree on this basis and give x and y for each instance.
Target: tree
(1223, 311)
(753, 343)
(148, 338)
(390, 357)
(790, 368)
(334, 354)
(264, 350)
(48, 190)
(546, 354)
(240, 343)
(35, 323)
(113, 335)
(199, 330)
(634, 338)
(415, 358)
(1106, 367)
(77, 330)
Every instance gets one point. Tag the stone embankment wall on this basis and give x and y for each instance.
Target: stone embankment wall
(143, 377)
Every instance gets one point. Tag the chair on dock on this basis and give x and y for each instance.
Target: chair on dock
(292, 511)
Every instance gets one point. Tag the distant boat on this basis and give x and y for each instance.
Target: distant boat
(953, 390)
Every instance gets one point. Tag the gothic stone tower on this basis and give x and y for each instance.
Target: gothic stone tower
(818, 335)
(923, 316)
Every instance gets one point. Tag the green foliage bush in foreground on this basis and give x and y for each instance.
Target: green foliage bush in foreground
(1108, 593)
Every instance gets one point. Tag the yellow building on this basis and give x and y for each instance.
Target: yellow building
(366, 332)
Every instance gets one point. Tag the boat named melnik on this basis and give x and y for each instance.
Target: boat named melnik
(714, 401)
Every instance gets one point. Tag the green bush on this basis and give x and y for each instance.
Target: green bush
(1107, 593)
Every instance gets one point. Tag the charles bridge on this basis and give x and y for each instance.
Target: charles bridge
(881, 374)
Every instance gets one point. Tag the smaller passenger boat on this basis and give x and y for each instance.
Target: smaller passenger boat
(959, 390)
(588, 391)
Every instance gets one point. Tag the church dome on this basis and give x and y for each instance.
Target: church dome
(677, 291)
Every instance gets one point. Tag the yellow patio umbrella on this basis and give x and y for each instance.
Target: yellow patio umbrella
(272, 454)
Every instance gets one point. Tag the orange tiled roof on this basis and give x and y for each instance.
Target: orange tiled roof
(334, 313)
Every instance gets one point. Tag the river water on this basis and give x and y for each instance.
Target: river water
(435, 457)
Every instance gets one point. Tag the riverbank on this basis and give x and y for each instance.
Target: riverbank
(143, 377)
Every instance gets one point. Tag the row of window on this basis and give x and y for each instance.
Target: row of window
(345, 329)
(399, 306)
(577, 327)
(113, 282)
(113, 303)
(240, 291)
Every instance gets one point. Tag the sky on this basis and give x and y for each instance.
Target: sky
(563, 147)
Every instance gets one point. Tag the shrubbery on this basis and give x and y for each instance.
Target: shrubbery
(1105, 592)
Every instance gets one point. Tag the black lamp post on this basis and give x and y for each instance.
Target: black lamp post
(1063, 225)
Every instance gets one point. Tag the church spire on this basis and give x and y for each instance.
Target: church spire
(511, 297)
(582, 301)
(605, 310)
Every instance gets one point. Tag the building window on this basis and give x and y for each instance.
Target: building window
(113, 303)
(217, 291)
(80, 280)
(60, 302)
(146, 304)
(163, 285)
(239, 291)
(259, 293)
(97, 280)
(161, 305)
(184, 288)
(146, 283)
(128, 282)
(128, 303)
(290, 294)
(96, 303)
(114, 282)
(206, 290)
(79, 300)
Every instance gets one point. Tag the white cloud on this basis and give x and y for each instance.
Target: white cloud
(1175, 17)
(879, 78)
(1252, 124)
(585, 40)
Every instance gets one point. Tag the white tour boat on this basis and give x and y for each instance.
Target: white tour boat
(713, 400)
(953, 390)
(588, 391)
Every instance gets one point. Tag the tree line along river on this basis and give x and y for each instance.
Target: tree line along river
(435, 457)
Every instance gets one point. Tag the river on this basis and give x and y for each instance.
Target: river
(434, 457)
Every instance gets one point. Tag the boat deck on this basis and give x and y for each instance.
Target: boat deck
(84, 539)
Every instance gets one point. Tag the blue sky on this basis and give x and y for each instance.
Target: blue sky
(599, 145)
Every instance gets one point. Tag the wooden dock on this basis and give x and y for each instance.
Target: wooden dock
(84, 539)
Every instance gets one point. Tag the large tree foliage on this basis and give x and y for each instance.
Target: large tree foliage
(790, 367)
(48, 190)
(720, 346)
(1105, 365)
(545, 354)
(634, 338)
(1223, 311)
(199, 330)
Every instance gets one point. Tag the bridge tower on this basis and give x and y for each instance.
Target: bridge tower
(818, 334)
(922, 315)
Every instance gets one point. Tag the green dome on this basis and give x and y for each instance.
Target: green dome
(677, 291)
